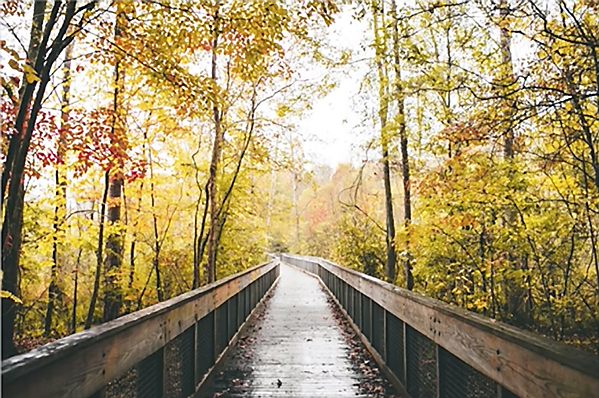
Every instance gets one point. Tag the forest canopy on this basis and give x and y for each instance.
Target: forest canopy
(152, 147)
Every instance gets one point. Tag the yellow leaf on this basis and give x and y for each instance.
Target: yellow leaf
(30, 74)
(9, 295)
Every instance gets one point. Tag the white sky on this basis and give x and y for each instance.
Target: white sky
(329, 130)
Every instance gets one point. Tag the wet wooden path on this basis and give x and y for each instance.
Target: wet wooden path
(294, 348)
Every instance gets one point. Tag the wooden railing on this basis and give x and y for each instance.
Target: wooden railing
(433, 350)
(167, 350)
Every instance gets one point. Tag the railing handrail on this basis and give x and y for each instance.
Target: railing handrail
(567, 356)
(19, 365)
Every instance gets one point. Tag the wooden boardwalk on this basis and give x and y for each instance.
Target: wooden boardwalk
(293, 348)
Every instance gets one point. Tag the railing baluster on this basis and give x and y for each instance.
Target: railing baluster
(164, 371)
(439, 370)
(195, 355)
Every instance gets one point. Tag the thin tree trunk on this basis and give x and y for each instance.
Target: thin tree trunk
(294, 179)
(514, 292)
(196, 261)
(113, 298)
(405, 163)
(202, 240)
(54, 293)
(216, 151)
(451, 151)
(294, 186)
(221, 226)
(74, 314)
(378, 12)
(157, 247)
(222, 212)
(248, 139)
(132, 250)
(141, 295)
(99, 253)
(507, 79)
(271, 192)
(197, 237)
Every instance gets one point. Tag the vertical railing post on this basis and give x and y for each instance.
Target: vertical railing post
(215, 336)
(439, 370)
(195, 353)
(384, 326)
(227, 317)
(405, 355)
(164, 370)
(229, 323)
(370, 321)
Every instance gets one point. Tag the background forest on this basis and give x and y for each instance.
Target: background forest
(152, 147)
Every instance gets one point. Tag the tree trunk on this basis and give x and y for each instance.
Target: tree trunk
(26, 91)
(196, 261)
(129, 304)
(201, 241)
(74, 314)
(99, 254)
(507, 78)
(405, 163)
(514, 292)
(294, 179)
(378, 12)
(113, 297)
(221, 226)
(16, 156)
(54, 292)
(216, 151)
(10, 254)
(271, 192)
(157, 247)
(11, 275)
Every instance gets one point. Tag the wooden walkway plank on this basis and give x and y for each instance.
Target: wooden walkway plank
(293, 348)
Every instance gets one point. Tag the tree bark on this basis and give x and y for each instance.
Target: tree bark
(75, 286)
(507, 79)
(54, 292)
(405, 162)
(200, 243)
(157, 246)
(99, 254)
(39, 9)
(113, 297)
(294, 181)
(216, 151)
(378, 12)
(10, 262)
(13, 173)
(514, 292)
(196, 261)
(129, 302)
